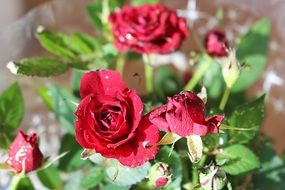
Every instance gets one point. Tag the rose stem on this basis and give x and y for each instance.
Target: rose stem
(120, 64)
(225, 98)
(199, 73)
(195, 173)
(15, 182)
(148, 69)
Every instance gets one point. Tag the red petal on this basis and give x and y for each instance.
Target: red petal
(214, 122)
(143, 147)
(157, 117)
(101, 82)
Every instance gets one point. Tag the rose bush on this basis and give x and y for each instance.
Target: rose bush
(25, 152)
(110, 121)
(148, 29)
(184, 115)
(216, 43)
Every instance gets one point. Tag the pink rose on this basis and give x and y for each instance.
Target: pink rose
(184, 115)
(25, 151)
(216, 43)
(148, 29)
(110, 121)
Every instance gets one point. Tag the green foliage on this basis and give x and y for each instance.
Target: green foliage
(25, 184)
(253, 50)
(213, 141)
(167, 83)
(271, 175)
(75, 81)
(50, 178)
(213, 80)
(72, 161)
(94, 13)
(11, 110)
(41, 66)
(237, 159)
(93, 177)
(141, 2)
(249, 117)
(55, 43)
(118, 173)
(62, 103)
(175, 164)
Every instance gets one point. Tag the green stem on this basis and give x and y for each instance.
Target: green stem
(15, 182)
(105, 11)
(120, 64)
(199, 74)
(225, 98)
(195, 171)
(148, 74)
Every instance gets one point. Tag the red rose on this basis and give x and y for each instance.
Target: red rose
(25, 149)
(216, 43)
(148, 29)
(184, 115)
(110, 121)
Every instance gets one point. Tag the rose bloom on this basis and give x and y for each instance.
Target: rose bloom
(148, 29)
(216, 43)
(110, 121)
(184, 115)
(24, 150)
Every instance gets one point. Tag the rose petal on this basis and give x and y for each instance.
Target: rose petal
(144, 144)
(101, 82)
(214, 122)
(157, 117)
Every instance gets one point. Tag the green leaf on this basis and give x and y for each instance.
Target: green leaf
(253, 50)
(249, 116)
(213, 141)
(25, 184)
(63, 105)
(55, 43)
(50, 178)
(213, 80)
(271, 175)
(75, 81)
(141, 2)
(11, 109)
(237, 159)
(113, 187)
(175, 164)
(92, 178)
(74, 181)
(41, 66)
(126, 176)
(72, 161)
(167, 83)
(94, 13)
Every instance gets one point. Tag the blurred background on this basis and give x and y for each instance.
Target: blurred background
(19, 20)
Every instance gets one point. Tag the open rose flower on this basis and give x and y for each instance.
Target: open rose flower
(148, 29)
(25, 152)
(216, 43)
(110, 121)
(184, 115)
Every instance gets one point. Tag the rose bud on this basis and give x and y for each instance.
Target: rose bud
(148, 29)
(24, 153)
(160, 175)
(230, 69)
(213, 178)
(216, 43)
(184, 116)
